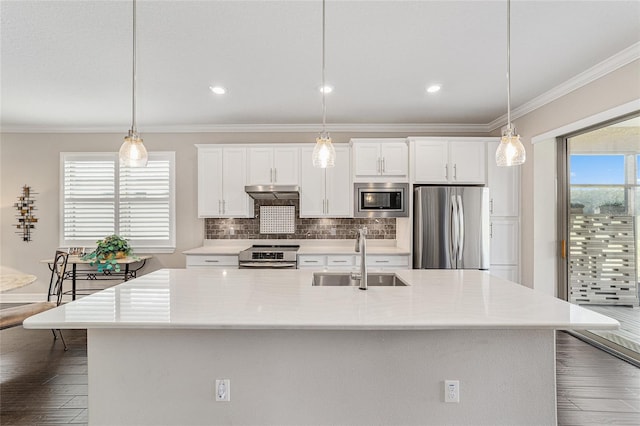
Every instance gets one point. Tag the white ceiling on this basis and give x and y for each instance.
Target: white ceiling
(67, 64)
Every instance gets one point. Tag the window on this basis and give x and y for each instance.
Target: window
(599, 183)
(100, 198)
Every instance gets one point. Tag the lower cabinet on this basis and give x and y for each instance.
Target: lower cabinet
(505, 246)
(212, 261)
(508, 272)
(351, 261)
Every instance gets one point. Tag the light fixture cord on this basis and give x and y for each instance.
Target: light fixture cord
(324, 88)
(509, 65)
(133, 103)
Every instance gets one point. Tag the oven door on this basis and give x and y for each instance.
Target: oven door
(268, 265)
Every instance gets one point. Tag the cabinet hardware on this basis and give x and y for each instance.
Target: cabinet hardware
(310, 261)
(381, 261)
(339, 261)
(491, 230)
(446, 171)
(327, 206)
(220, 206)
(455, 172)
(491, 206)
(384, 165)
(563, 248)
(211, 261)
(378, 165)
(224, 206)
(271, 175)
(275, 175)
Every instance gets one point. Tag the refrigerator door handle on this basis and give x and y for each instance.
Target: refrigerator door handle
(454, 230)
(461, 228)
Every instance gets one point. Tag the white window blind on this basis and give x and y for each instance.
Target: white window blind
(100, 198)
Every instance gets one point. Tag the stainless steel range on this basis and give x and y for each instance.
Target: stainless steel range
(269, 257)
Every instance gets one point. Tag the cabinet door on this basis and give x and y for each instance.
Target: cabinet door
(430, 162)
(508, 272)
(285, 165)
(209, 182)
(260, 165)
(338, 189)
(236, 202)
(504, 185)
(395, 159)
(505, 244)
(312, 187)
(467, 162)
(366, 159)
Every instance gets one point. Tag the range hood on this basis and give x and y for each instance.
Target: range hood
(273, 192)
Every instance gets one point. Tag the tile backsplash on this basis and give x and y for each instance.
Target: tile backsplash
(321, 228)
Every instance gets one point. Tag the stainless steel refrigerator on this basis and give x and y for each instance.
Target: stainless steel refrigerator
(451, 227)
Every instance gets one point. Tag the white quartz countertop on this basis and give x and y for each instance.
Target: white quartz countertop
(272, 299)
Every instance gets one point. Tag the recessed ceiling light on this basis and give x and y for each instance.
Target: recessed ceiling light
(218, 90)
(433, 89)
(326, 89)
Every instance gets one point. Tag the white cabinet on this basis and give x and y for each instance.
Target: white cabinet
(375, 262)
(376, 160)
(448, 161)
(504, 206)
(273, 165)
(505, 241)
(212, 261)
(221, 181)
(311, 261)
(504, 185)
(326, 192)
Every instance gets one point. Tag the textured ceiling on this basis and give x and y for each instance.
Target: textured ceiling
(67, 64)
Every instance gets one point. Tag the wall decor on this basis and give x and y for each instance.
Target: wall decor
(26, 218)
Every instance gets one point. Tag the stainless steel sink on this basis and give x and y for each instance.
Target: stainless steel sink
(344, 279)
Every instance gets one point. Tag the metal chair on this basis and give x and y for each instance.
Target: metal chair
(58, 271)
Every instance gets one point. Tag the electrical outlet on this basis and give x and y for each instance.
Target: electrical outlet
(451, 391)
(223, 390)
(333, 231)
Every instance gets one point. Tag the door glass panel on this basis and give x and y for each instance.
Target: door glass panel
(604, 203)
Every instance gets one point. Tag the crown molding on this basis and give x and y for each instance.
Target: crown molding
(266, 128)
(622, 58)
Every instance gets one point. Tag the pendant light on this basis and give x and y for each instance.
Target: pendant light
(132, 152)
(324, 154)
(510, 152)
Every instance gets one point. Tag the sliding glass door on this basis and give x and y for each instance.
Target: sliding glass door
(601, 222)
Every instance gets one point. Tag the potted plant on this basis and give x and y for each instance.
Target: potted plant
(107, 253)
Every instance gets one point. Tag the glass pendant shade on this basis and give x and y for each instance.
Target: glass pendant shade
(510, 152)
(132, 152)
(324, 154)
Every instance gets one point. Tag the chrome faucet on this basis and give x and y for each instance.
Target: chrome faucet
(361, 247)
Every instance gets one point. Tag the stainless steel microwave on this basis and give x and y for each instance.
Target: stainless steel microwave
(381, 200)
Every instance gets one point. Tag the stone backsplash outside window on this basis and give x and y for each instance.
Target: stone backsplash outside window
(320, 228)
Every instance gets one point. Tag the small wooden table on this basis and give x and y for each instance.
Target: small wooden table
(132, 265)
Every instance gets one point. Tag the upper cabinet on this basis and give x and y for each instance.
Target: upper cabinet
(221, 181)
(273, 165)
(448, 161)
(326, 192)
(504, 183)
(380, 160)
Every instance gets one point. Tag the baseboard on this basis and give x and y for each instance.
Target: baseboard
(23, 297)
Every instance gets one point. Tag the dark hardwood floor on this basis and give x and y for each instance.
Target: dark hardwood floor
(42, 384)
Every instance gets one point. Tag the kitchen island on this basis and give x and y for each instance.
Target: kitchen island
(298, 354)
